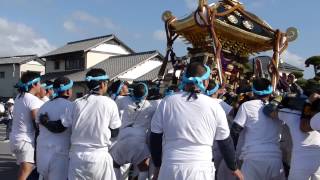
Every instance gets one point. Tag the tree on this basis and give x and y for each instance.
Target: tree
(298, 74)
(315, 61)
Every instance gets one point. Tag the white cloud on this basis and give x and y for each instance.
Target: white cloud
(159, 35)
(70, 26)
(18, 39)
(108, 23)
(293, 59)
(85, 17)
(297, 61)
(81, 21)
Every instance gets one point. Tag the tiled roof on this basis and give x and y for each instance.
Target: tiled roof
(282, 66)
(19, 59)
(84, 45)
(114, 66)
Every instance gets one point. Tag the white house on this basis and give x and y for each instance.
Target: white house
(74, 59)
(11, 69)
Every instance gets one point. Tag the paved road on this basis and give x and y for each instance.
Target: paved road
(8, 167)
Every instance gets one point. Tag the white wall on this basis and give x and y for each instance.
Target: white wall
(111, 48)
(102, 52)
(32, 66)
(93, 58)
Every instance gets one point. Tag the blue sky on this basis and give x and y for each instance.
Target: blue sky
(38, 26)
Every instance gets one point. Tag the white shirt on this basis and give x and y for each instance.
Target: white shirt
(189, 127)
(90, 119)
(315, 122)
(134, 115)
(60, 141)
(22, 124)
(226, 107)
(306, 146)
(261, 133)
(45, 99)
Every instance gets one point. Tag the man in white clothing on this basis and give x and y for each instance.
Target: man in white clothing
(305, 160)
(22, 137)
(90, 119)
(189, 122)
(131, 146)
(213, 91)
(261, 150)
(53, 144)
(119, 89)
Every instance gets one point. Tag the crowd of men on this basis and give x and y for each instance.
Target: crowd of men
(190, 133)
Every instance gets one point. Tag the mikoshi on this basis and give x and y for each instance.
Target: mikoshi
(224, 35)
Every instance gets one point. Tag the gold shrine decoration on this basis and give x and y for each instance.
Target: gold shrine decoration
(227, 26)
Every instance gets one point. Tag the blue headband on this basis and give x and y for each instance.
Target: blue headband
(63, 87)
(26, 85)
(49, 87)
(212, 91)
(264, 92)
(97, 78)
(119, 88)
(146, 91)
(198, 81)
(44, 85)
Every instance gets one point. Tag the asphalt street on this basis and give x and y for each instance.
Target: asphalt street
(8, 167)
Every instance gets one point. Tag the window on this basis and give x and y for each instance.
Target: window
(57, 65)
(2, 75)
(72, 64)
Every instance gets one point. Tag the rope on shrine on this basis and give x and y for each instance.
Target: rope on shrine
(208, 17)
(171, 37)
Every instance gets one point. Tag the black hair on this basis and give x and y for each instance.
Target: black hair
(195, 69)
(212, 84)
(27, 77)
(316, 105)
(115, 86)
(60, 81)
(48, 82)
(139, 90)
(261, 84)
(92, 85)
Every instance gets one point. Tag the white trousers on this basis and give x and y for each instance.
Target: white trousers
(52, 165)
(93, 165)
(264, 169)
(192, 171)
(130, 150)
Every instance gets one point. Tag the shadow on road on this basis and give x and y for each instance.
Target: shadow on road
(8, 168)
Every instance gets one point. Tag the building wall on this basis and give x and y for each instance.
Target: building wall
(50, 66)
(93, 58)
(32, 66)
(12, 76)
(102, 52)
